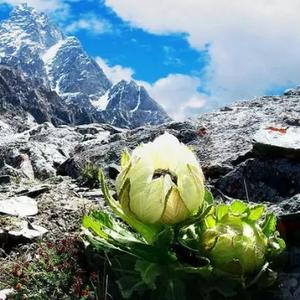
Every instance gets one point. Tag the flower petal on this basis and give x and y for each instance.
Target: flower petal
(175, 210)
(147, 203)
(191, 188)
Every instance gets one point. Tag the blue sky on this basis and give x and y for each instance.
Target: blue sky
(150, 56)
(191, 55)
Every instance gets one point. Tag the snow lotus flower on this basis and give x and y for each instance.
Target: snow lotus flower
(161, 182)
(236, 240)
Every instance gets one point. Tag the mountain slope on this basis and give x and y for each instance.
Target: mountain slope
(23, 37)
(21, 102)
(129, 105)
(72, 73)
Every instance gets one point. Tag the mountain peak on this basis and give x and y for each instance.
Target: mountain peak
(24, 12)
(23, 7)
(31, 26)
(128, 84)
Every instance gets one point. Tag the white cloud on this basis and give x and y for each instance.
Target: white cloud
(115, 73)
(254, 44)
(178, 94)
(90, 23)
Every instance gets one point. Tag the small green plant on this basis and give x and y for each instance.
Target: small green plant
(237, 239)
(54, 271)
(89, 175)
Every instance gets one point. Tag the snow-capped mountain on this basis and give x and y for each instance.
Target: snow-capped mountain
(30, 43)
(24, 37)
(127, 104)
(72, 73)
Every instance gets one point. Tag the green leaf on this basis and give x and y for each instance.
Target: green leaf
(149, 272)
(114, 205)
(256, 212)
(276, 246)
(269, 226)
(204, 272)
(104, 226)
(238, 207)
(208, 197)
(189, 238)
(90, 223)
(112, 236)
(164, 238)
(209, 221)
(125, 158)
(221, 211)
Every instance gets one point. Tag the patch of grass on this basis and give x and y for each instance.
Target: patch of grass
(52, 271)
(89, 175)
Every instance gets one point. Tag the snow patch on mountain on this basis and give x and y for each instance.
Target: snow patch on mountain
(102, 102)
(50, 53)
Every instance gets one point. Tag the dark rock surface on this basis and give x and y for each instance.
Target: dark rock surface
(19, 98)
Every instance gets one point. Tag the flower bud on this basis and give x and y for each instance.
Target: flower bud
(163, 182)
(235, 240)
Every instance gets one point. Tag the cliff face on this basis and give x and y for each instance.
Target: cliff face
(21, 101)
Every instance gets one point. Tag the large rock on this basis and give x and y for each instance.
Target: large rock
(272, 141)
(19, 206)
(223, 141)
(39, 151)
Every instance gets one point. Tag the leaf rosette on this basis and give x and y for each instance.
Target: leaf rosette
(237, 238)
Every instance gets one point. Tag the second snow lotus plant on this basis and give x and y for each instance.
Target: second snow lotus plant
(176, 242)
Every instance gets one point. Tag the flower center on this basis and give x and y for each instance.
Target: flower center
(160, 172)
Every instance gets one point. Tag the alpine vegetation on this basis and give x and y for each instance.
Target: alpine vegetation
(176, 242)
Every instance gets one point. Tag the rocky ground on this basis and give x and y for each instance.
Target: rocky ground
(250, 150)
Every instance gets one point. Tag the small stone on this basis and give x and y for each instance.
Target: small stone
(35, 191)
(29, 231)
(5, 179)
(226, 108)
(93, 194)
(113, 171)
(19, 206)
(5, 293)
